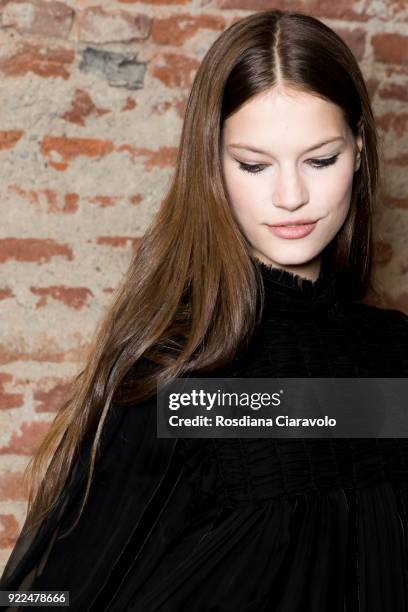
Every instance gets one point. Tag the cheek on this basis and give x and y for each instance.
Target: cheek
(242, 199)
(337, 189)
(248, 193)
(242, 209)
(241, 191)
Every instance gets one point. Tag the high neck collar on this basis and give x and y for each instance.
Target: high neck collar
(289, 292)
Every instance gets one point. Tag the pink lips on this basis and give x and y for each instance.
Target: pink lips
(292, 231)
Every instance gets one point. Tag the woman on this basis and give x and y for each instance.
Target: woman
(215, 289)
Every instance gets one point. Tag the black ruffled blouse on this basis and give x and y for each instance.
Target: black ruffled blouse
(243, 524)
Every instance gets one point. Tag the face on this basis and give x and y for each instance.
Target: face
(291, 177)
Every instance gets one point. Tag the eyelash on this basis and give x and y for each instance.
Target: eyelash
(322, 163)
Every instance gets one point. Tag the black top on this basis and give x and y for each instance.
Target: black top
(243, 524)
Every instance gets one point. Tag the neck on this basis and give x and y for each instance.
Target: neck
(309, 271)
(287, 292)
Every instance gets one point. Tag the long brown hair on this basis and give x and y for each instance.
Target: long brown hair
(190, 296)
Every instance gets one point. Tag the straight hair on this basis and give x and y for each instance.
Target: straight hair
(192, 295)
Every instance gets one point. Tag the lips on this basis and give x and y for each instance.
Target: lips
(293, 223)
(292, 231)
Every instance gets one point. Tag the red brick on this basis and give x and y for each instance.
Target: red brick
(398, 122)
(104, 201)
(82, 108)
(27, 439)
(176, 30)
(9, 138)
(38, 250)
(6, 293)
(343, 9)
(50, 400)
(9, 400)
(394, 202)
(46, 200)
(165, 3)
(136, 199)
(12, 487)
(68, 149)
(47, 353)
(117, 241)
(398, 160)
(130, 104)
(175, 69)
(71, 202)
(42, 19)
(382, 252)
(390, 48)
(355, 39)
(394, 91)
(73, 297)
(164, 157)
(99, 25)
(39, 59)
(9, 530)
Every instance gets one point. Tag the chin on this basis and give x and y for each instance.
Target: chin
(292, 259)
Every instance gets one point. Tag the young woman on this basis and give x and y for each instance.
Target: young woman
(278, 131)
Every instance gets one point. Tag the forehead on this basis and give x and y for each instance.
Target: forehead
(283, 115)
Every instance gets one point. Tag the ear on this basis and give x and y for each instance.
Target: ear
(359, 145)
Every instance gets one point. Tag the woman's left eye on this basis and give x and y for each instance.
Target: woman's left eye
(323, 163)
(315, 163)
(251, 168)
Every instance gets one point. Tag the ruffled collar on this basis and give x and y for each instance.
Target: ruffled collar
(289, 292)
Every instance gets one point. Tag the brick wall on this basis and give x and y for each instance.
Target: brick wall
(91, 107)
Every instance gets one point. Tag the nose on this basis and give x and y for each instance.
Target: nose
(289, 191)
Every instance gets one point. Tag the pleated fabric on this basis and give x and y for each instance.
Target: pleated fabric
(248, 525)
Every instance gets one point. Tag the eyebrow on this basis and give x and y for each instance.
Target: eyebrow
(312, 148)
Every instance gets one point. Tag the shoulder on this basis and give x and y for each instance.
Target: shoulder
(396, 318)
(391, 315)
(380, 335)
(389, 322)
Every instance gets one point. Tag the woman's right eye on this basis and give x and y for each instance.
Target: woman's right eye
(251, 168)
